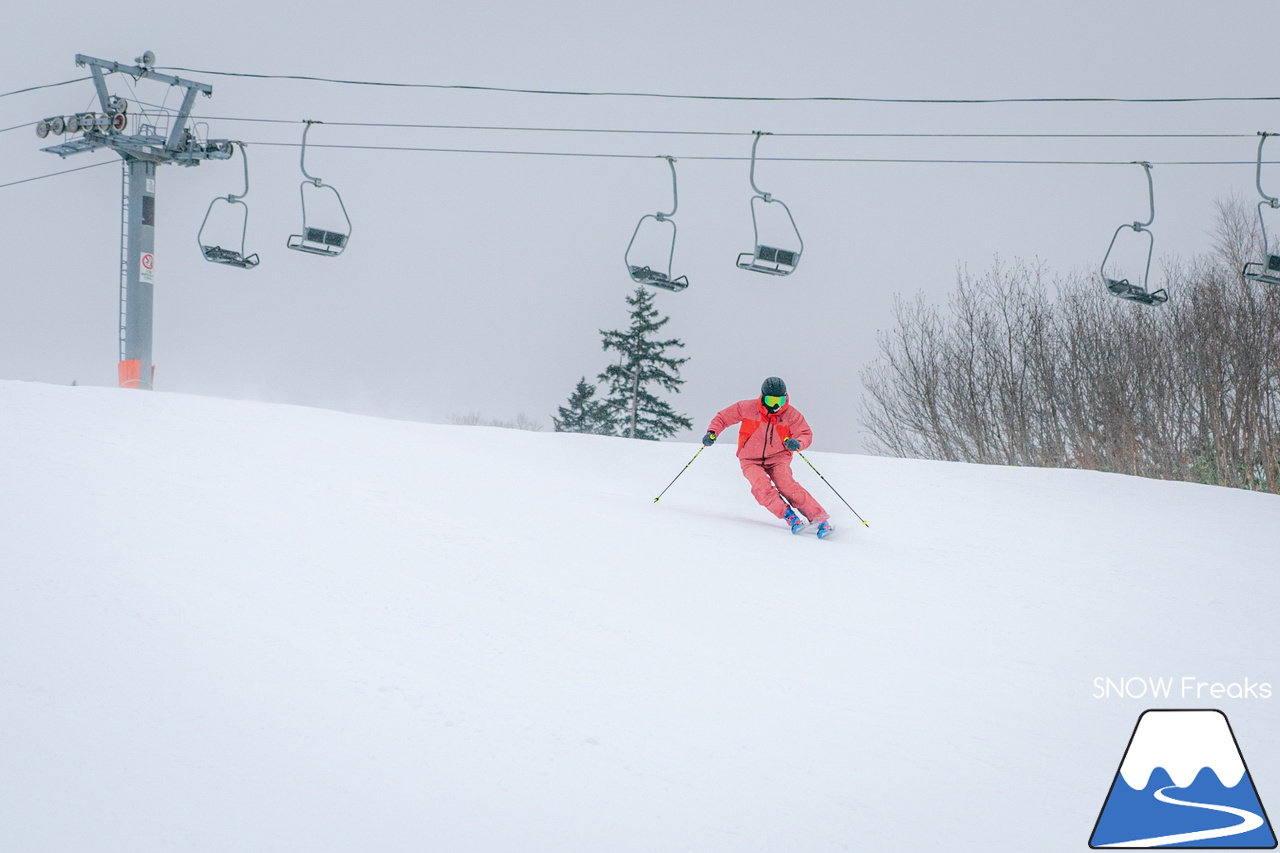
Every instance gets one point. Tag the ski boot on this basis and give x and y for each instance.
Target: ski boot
(824, 529)
(793, 518)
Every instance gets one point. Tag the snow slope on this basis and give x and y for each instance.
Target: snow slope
(236, 626)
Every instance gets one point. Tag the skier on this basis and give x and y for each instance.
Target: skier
(771, 431)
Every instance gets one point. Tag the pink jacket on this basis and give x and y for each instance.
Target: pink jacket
(762, 433)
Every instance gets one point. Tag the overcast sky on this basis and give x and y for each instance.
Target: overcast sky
(478, 283)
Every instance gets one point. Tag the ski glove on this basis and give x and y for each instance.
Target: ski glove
(709, 439)
(790, 444)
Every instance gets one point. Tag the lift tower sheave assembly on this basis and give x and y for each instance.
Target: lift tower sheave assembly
(149, 145)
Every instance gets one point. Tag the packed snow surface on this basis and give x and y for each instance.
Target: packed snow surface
(238, 626)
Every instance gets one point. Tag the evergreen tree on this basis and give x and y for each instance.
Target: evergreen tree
(583, 413)
(642, 362)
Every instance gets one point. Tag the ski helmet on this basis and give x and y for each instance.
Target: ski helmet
(773, 387)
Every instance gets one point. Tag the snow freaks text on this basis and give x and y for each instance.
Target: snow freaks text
(1186, 687)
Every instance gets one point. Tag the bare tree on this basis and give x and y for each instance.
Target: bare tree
(1017, 372)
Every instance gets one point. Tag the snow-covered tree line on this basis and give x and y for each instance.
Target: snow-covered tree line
(1025, 371)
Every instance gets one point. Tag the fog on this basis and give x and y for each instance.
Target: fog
(479, 282)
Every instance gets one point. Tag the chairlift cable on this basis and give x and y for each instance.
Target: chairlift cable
(758, 98)
(55, 174)
(412, 126)
(45, 86)
(904, 160)
(1025, 135)
(596, 155)
(715, 158)
(806, 135)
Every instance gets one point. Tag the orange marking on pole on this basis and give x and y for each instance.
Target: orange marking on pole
(130, 372)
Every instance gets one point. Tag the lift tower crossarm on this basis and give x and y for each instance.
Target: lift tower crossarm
(100, 84)
(137, 71)
(99, 66)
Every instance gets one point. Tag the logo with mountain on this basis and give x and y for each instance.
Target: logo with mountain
(1183, 783)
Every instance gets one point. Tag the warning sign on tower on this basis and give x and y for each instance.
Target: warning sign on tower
(146, 270)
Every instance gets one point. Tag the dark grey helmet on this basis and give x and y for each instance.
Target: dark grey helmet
(773, 387)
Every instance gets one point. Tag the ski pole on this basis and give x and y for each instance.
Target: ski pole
(833, 488)
(682, 470)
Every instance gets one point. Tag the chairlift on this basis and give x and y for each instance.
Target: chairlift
(1122, 287)
(318, 241)
(766, 258)
(646, 274)
(217, 254)
(1267, 271)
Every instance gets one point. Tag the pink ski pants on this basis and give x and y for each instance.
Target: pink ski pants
(772, 481)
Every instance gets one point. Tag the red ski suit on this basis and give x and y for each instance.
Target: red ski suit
(765, 462)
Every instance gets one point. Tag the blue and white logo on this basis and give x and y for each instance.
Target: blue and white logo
(1183, 783)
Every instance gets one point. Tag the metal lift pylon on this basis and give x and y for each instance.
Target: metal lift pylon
(141, 152)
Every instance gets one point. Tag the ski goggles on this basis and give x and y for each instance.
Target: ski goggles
(771, 401)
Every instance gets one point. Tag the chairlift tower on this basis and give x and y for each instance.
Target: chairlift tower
(149, 146)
